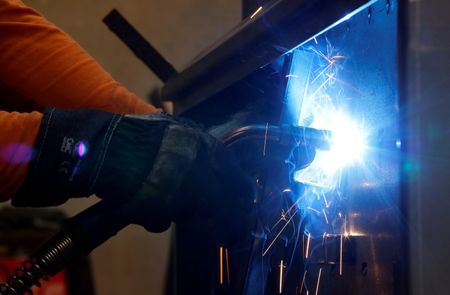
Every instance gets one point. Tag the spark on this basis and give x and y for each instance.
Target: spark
(341, 255)
(355, 234)
(319, 53)
(280, 289)
(347, 84)
(320, 108)
(322, 85)
(265, 139)
(325, 215)
(221, 265)
(303, 282)
(324, 70)
(331, 76)
(256, 12)
(284, 214)
(312, 209)
(295, 204)
(347, 147)
(345, 226)
(318, 281)
(345, 18)
(278, 222)
(327, 205)
(307, 245)
(347, 144)
(279, 233)
(338, 57)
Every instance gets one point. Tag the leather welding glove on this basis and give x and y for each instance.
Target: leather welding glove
(169, 167)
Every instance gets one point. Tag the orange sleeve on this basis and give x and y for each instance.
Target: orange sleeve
(18, 134)
(45, 65)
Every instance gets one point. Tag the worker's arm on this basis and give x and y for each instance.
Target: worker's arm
(18, 133)
(45, 65)
(168, 168)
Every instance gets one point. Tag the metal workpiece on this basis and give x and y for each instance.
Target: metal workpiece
(278, 27)
(325, 153)
(425, 58)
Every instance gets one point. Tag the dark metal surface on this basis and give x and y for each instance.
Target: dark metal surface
(365, 87)
(280, 26)
(427, 88)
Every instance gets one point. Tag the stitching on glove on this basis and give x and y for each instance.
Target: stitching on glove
(41, 148)
(163, 170)
(105, 145)
(157, 117)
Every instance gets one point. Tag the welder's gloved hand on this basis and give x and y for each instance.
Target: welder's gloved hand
(170, 168)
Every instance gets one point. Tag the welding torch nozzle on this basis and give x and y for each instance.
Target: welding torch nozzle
(286, 135)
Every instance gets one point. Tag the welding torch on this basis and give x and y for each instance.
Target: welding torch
(285, 135)
(92, 227)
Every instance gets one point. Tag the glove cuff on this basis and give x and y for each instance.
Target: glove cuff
(82, 152)
(66, 156)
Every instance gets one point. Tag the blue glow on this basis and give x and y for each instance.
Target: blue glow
(349, 141)
(342, 20)
(16, 153)
(322, 96)
(343, 80)
(317, 105)
(319, 100)
(81, 149)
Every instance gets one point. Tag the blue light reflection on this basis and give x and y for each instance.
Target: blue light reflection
(344, 81)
